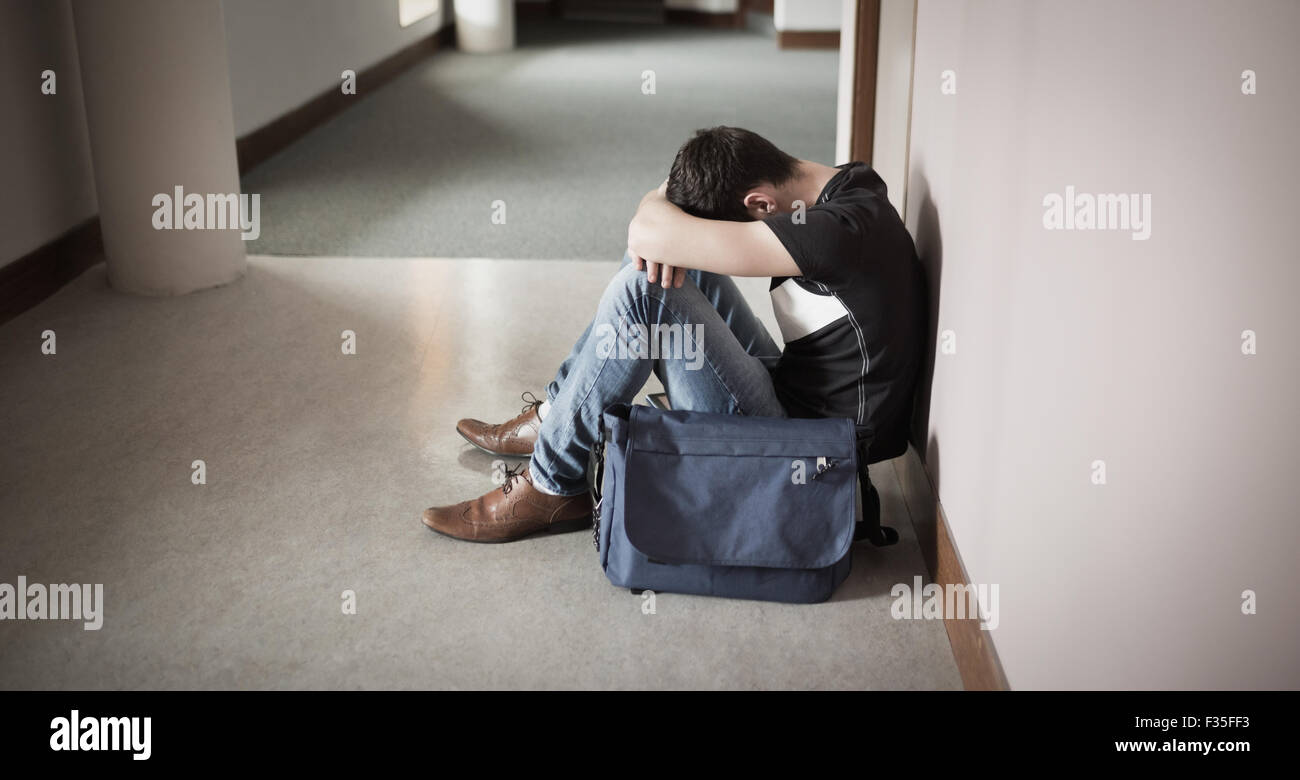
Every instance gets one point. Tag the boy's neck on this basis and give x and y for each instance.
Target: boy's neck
(809, 181)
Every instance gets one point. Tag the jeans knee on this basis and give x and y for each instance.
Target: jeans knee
(631, 292)
(627, 285)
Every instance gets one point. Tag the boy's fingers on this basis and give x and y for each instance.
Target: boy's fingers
(660, 273)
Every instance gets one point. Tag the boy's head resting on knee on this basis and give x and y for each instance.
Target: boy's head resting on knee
(729, 173)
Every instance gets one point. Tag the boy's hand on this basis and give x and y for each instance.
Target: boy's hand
(665, 275)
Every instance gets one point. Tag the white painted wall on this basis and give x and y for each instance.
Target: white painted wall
(1077, 346)
(893, 97)
(49, 184)
(807, 14)
(844, 97)
(306, 44)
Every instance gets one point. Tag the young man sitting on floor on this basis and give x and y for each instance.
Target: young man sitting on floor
(846, 290)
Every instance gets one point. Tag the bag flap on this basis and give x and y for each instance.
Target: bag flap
(752, 496)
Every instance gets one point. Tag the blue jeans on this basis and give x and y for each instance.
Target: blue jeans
(702, 340)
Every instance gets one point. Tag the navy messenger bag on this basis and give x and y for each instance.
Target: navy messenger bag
(728, 505)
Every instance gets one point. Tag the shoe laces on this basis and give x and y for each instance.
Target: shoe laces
(530, 401)
(512, 474)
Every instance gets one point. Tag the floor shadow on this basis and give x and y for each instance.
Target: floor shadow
(929, 251)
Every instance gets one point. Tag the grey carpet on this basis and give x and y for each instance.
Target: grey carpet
(558, 129)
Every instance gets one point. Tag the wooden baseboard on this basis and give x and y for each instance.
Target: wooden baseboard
(808, 39)
(704, 18)
(261, 144)
(542, 10)
(758, 6)
(42, 272)
(972, 647)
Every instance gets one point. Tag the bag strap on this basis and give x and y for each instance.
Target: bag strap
(597, 480)
(869, 527)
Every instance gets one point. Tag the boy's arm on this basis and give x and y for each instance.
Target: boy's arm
(668, 239)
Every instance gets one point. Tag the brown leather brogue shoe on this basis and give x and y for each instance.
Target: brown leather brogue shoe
(512, 439)
(512, 511)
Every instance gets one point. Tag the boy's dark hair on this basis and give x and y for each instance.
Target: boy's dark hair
(714, 169)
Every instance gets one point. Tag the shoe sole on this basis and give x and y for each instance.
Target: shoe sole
(481, 448)
(567, 526)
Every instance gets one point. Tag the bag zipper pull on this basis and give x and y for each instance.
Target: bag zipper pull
(824, 465)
